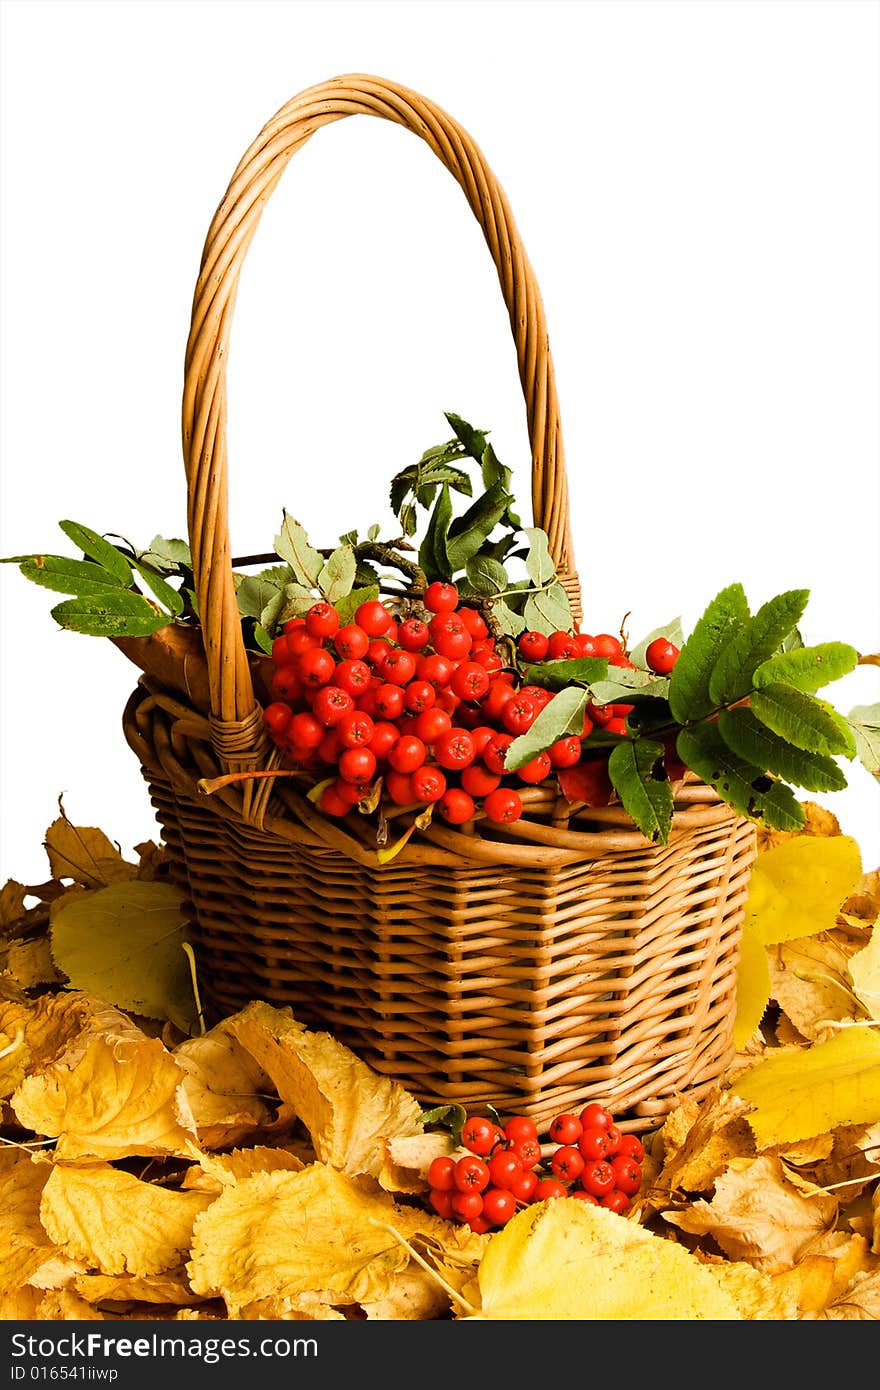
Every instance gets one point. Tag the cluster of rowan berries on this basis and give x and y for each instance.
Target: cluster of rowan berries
(431, 707)
(502, 1169)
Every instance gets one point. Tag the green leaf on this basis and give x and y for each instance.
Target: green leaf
(263, 638)
(864, 721)
(468, 532)
(161, 591)
(487, 577)
(671, 631)
(114, 613)
(292, 545)
(751, 740)
(741, 784)
(167, 554)
(336, 578)
(294, 600)
(808, 668)
(511, 623)
(689, 683)
(97, 548)
(548, 611)
(473, 440)
(555, 675)
(539, 563)
(68, 576)
(373, 532)
(732, 675)
(625, 685)
(256, 590)
(348, 605)
(640, 780)
(562, 715)
(801, 719)
(433, 558)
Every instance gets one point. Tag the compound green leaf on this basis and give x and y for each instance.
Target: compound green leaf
(757, 640)
(113, 613)
(68, 576)
(802, 720)
(808, 668)
(726, 615)
(741, 784)
(637, 775)
(97, 548)
(753, 741)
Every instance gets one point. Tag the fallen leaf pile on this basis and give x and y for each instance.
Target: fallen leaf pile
(260, 1170)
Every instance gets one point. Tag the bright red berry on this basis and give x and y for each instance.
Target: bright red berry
(567, 1163)
(593, 1143)
(441, 1201)
(499, 1205)
(470, 680)
(351, 642)
(373, 617)
(454, 749)
(407, 754)
(413, 634)
(565, 1129)
(519, 714)
(315, 667)
(428, 783)
(322, 620)
(523, 1184)
(330, 705)
(537, 769)
(441, 1173)
(478, 1135)
(562, 646)
(632, 1146)
(471, 1173)
(468, 1205)
(356, 729)
(548, 1189)
(503, 806)
(532, 646)
(504, 1166)
(597, 1177)
(456, 806)
(661, 655)
(565, 752)
(440, 597)
(357, 764)
(627, 1174)
(595, 1116)
(616, 1200)
(478, 781)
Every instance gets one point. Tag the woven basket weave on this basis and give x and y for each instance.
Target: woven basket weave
(532, 967)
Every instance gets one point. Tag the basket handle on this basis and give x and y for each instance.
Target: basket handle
(235, 712)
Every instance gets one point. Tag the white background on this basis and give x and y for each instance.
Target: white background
(696, 184)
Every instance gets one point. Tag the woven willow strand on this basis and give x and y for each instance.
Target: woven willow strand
(204, 395)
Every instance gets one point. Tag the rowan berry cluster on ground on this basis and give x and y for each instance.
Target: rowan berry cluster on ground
(501, 1169)
(430, 705)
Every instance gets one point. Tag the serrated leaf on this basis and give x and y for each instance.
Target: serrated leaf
(741, 784)
(732, 675)
(161, 591)
(433, 558)
(97, 548)
(124, 944)
(473, 440)
(808, 668)
(556, 675)
(487, 577)
(672, 631)
(510, 623)
(348, 605)
(864, 722)
(539, 562)
(805, 1092)
(753, 741)
(168, 554)
(114, 613)
(255, 591)
(801, 719)
(562, 715)
(292, 545)
(66, 576)
(625, 685)
(689, 682)
(468, 532)
(336, 578)
(637, 775)
(548, 611)
(293, 601)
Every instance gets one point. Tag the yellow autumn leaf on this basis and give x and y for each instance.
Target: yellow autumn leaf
(228, 1093)
(718, 1134)
(565, 1259)
(32, 1034)
(758, 1296)
(809, 980)
(85, 854)
(752, 986)
(115, 1223)
(134, 1288)
(860, 1302)
(802, 1092)
(109, 1096)
(757, 1215)
(348, 1108)
(283, 1234)
(864, 972)
(224, 1170)
(30, 963)
(24, 1243)
(796, 889)
(124, 943)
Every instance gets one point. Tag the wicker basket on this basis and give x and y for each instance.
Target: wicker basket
(532, 967)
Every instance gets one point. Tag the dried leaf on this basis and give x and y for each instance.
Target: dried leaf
(30, 963)
(864, 972)
(227, 1092)
(809, 979)
(564, 1259)
(24, 1243)
(802, 1092)
(33, 1034)
(110, 1097)
(133, 1288)
(124, 943)
(318, 1231)
(757, 1215)
(407, 1158)
(797, 888)
(115, 1223)
(347, 1107)
(84, 854)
